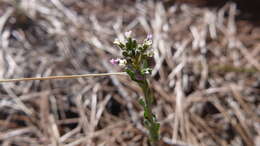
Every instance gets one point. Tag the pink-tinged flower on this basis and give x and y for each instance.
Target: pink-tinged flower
(128, 34)
(148, 41)
(149, 37)
(114, 61)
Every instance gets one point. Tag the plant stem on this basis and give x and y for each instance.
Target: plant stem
(150, 121)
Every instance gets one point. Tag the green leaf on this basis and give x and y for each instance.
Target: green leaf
(145, 63)
(141, 49)
(141, 101)
(122, 46)
(145, 47)
(154, 131)
(130, 53)
(124, 53)
(131, 74)
(134, 44)
(145, 113)
(129, 44)
(146, 123)
(156, 127)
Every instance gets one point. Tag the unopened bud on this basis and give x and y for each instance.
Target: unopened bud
(128, 34)
(149, 37)
(150, 54)
(122, 62)
(148, 42)
(117, 42)
(114, 61)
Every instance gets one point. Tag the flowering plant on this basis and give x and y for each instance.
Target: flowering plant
(138, 62)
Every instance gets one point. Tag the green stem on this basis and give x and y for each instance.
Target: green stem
(150, 121)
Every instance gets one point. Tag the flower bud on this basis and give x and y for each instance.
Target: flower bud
(146, 71)
(148, 42)
(122, 62)
(128, 34)
(114, 61)
(117, 42)
(150, 53)
(149, 37)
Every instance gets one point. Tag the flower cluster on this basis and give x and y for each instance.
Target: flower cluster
(137, 58)
(120, 62)
(138, 62)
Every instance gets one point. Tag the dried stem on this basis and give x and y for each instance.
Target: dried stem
(62, 77)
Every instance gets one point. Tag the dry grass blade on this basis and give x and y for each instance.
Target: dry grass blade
(61, 77)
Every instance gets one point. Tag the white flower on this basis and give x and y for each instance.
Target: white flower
(150, 53)
(117, 42)
(146, 71)
(122, 62)
(148, 42)
(128, 34)
(149, 37)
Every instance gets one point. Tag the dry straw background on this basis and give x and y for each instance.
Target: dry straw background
(206, 79)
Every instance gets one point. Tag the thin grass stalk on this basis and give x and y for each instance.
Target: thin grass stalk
(61, 77)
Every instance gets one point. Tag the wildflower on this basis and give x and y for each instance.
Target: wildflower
(128, 34)
(146, 71)
(122, 62)
(117, 42)
(149, 37)
(138, 62)
(148, 41)
(114, 61)
(150, 53)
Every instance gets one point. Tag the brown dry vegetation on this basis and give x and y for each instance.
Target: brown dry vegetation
(206, 79)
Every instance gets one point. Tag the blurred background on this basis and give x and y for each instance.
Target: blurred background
(206, 79)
